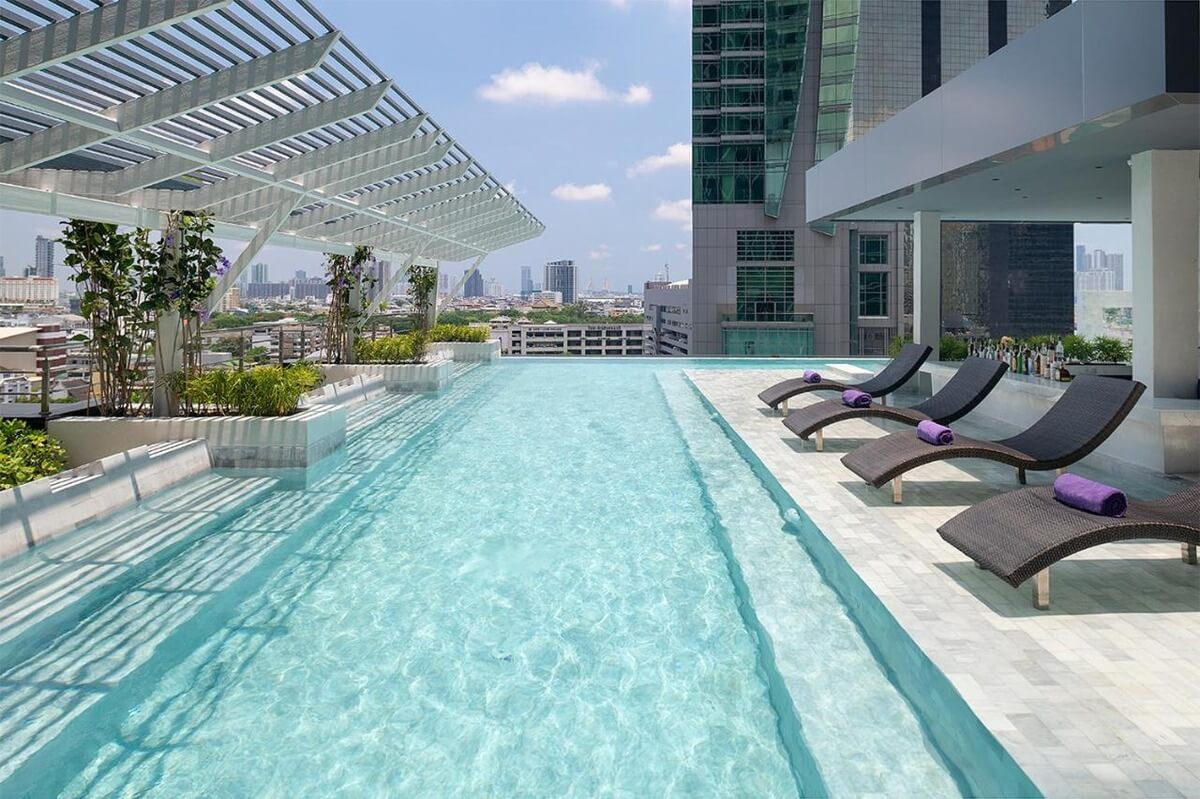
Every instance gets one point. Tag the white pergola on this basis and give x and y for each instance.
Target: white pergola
(258, 111)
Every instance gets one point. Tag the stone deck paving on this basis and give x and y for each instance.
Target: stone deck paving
(1097, 696)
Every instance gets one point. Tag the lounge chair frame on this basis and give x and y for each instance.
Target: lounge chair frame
(898, 372)
(1018, 536)
(969, 386)
(1088, 412)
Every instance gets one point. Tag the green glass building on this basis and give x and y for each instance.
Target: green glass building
(778, 85)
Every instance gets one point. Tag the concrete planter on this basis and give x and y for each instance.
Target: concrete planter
(33, 513)
(346, 393)
(468, 351)
(301, 439)
(432, 376)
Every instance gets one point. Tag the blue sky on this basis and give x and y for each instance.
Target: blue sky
(582, 105)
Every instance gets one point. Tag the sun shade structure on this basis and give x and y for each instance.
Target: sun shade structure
(258, 111)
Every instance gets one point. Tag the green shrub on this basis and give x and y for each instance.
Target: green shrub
(261, 391)
(896, 344)
(27, 454)
(459, 333)
(1037, 342)
(952, 348)
(405, 348)
(1111, 350)
(1077, 348)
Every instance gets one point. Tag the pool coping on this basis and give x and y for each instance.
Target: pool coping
(952, 727)
(1085, 697)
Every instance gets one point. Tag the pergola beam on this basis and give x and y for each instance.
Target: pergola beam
(151, 109)
(94, 30)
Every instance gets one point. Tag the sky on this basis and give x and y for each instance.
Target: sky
(583, 107)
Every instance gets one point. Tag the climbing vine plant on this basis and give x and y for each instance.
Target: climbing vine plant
(350, 287)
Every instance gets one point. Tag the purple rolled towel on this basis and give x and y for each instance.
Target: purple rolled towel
(934, 433)
(854, 398)
(1080, 492)
(811, 376)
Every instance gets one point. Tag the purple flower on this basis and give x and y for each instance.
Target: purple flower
(223, 266)
(204, 313)
(169, 239)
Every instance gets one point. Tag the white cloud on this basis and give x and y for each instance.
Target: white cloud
(679, 245)
(511, 187)
(599, 253)
(678, 154)
(554, 85)
(652, 248)
(573, 193)
(675, 211)
(637, 94)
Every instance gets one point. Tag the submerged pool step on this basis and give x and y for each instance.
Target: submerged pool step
(864, 735)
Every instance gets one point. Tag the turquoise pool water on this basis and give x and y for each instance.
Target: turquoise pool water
(541, 582)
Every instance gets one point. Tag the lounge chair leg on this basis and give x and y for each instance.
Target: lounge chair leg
(1189, 553)
(883, 400)
(897, 490)
(820, 441)
(783, 408)
(1041, 589)
(1059, 472)
(1020, 475)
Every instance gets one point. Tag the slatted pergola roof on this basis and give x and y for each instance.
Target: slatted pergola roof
(258, 111)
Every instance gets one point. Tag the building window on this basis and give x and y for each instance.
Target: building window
(706, 16)
(706, 98)
(706, 43)
(742, 95)
(872, 248)
(741, 67)
(742, 39)
(742, 11)
(706, 126)
(766, 245)
(742, 123)
(765, 293)
(873, 294)
(706, 71)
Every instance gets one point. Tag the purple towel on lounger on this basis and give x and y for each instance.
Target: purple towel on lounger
(854, 398)
(934, 433)
(1080, 492)
(811, 376)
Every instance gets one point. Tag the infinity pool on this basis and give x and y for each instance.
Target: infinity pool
(528, 585)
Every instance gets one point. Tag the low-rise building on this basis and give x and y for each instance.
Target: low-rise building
(668, 317)
(551, 338)
(29, 290)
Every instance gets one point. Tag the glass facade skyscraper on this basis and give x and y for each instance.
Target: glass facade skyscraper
(779, 85)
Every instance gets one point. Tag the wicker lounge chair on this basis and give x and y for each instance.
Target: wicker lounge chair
(894, 375)
(1020, 534)
(973, 381)
(1088, 412)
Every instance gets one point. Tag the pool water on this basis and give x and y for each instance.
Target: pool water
(541, 582)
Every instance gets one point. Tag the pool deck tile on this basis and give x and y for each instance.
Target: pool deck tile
(1094, 697)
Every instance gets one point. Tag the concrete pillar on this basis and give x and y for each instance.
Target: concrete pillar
(1165, 212)
(353, 318)
(927, 279)
(168, 358)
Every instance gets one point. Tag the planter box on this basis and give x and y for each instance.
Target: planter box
(299, 440)
(468, 351)
(33, 513)
(1103, 369)
(346, 393)
(432, 376)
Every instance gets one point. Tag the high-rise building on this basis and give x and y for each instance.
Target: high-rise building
(526, 281)
(43, 257)
(561, 276)
(301, 275)
(2, 273)
(258, 273)
(493, 288)
(1080, 257)
(779, 85)
(474, 285)
(444, 282)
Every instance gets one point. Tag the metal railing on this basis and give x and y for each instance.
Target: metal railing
(46, 374)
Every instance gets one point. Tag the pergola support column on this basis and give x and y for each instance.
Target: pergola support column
(1165, 212)
(927, 279)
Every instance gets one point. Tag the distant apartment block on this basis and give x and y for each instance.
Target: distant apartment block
(230, 299)
(311, 289)
(258, 273)
(563, 277)
(525, 338)
(526, 281)
(29, 290)
(668, 309)
(43, 257)
(267, 290)
(473, 287)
